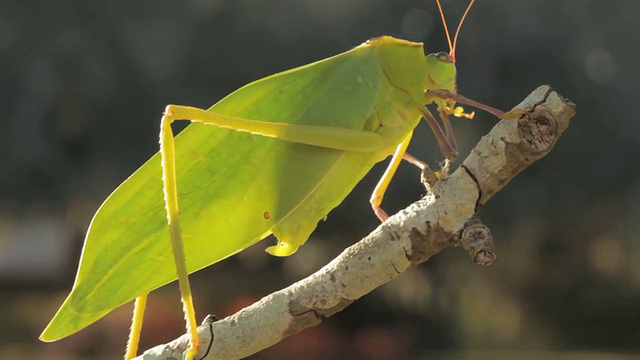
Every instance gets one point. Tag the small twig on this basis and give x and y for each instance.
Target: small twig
(447, 216)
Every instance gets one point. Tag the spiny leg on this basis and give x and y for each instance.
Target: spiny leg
(317, 135)
(167, 150)
(136, 326)
(323, 136)
(383, 184)
(448, 95)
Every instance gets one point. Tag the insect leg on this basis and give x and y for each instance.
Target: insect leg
(136, 327)
(170, 187)
(449, 150)
(448, 95)
(429, 176)
(323, 136)
(415, 161)
(383, 184)
(316, 135)
(448, 131)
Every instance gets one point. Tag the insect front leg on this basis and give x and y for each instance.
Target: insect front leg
(430, 95)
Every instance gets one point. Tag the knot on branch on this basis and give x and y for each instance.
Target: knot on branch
(538, 130)
(539, 127)
(477, 240)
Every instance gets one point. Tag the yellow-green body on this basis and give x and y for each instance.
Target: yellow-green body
(236, 187)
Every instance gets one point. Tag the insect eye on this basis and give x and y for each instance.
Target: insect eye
(443, 56)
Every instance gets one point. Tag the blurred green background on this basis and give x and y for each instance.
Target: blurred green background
(83, 85)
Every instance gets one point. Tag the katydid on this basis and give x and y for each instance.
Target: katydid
(283, 151)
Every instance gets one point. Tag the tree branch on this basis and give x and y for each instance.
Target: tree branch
(447, 216)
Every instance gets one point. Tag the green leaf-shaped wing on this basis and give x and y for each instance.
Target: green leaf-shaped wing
(234, 188)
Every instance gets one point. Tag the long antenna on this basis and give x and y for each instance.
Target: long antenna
(455, 39)
(446, 28)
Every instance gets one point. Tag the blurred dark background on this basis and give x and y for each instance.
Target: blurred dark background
(83, 85)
